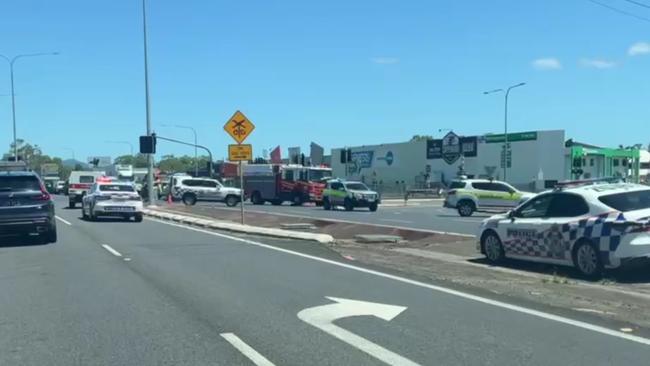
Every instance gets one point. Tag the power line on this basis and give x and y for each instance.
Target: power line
(638, 3)
(622, 12)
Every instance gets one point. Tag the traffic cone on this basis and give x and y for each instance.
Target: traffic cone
(169, 199)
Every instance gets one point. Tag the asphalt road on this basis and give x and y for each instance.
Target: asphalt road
(123, 293)
(423, 216)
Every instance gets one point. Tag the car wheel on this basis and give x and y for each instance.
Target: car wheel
(138, 217)
(492, 247)
(231, 201)
(466, 208)
(348, 205)
(83, 212)
(256, 198)
(373, 207)
(72, 204)
(189, 199)
(326, 204)
(586, 259)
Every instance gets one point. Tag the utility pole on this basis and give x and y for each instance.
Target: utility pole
(11, 62)
(505, 126)
(150, 190)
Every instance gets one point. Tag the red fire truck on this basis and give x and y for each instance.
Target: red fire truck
(284, 183)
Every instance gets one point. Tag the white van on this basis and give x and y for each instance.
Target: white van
(79, 184)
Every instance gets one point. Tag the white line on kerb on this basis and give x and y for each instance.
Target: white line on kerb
(111, 250)
(246, 350)
(63, 220)
(484, 300)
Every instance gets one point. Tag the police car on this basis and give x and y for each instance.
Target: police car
(349, 194)
(590, 225)
(471, 195)
(108, 197)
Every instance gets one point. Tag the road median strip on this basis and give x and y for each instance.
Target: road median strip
(234, 227)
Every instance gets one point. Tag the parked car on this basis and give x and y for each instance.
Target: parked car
(112, 199)
(588, 226)
(26, 207)
(472, 195)
(350, 195)
(192, 190)
(79, 184)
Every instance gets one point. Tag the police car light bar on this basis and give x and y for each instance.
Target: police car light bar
(587, 182)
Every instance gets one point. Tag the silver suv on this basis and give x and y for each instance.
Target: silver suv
(192, 190)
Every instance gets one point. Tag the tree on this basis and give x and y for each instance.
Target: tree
(138, 160)
(421, 137)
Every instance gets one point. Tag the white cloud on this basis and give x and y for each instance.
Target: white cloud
(385, 60)
(597, 63)
(547, 64)
(639, 48)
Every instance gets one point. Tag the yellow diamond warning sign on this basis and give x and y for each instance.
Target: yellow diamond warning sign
(240, 152)
(239, 127)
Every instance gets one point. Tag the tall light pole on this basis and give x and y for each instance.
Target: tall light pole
(71, 150)
(196, 150)
(505, 125)
(122, 142)
(147, 103)
(11, 62)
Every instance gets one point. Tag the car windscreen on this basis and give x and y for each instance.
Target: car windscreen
(627, 201)
(356, 186)
(116, 188)
(86, 179)
(17, 184)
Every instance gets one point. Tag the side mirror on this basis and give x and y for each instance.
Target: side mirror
(511, 214)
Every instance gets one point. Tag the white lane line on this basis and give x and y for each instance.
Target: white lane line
(484, 300)
(246, 350)
(63, 220)
(111, 250)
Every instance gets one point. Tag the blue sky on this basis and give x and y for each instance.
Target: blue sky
(338, 72)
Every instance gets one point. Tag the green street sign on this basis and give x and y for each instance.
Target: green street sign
(512, 137)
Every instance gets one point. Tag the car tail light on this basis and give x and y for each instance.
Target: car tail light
(44, 196)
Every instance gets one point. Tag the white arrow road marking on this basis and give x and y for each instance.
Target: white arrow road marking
(246, 350)
(323, 317)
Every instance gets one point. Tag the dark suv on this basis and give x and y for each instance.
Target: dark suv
(25, 206)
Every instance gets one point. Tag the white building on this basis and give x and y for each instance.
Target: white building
(536, 160)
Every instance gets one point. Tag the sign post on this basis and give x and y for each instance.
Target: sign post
(239, 128)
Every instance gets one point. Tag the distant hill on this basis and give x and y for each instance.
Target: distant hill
(71, 163)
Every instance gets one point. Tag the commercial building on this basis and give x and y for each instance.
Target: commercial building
(584, 161)
(533, 160)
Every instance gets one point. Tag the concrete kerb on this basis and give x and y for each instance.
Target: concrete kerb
(246, 229)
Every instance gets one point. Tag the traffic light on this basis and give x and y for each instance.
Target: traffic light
(148, 144)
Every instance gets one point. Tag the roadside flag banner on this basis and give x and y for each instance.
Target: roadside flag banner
(276, 156)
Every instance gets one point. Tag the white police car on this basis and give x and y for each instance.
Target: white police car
(112, 198)
(587, 224)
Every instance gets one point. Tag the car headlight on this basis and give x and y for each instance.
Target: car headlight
(358, 196)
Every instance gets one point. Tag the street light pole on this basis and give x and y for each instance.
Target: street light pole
(122, 142)
(196, 149)
(505, 125)
(150, 190)
(11, 62)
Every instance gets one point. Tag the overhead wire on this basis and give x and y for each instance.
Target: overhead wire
(622, 12)
(644, 5)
